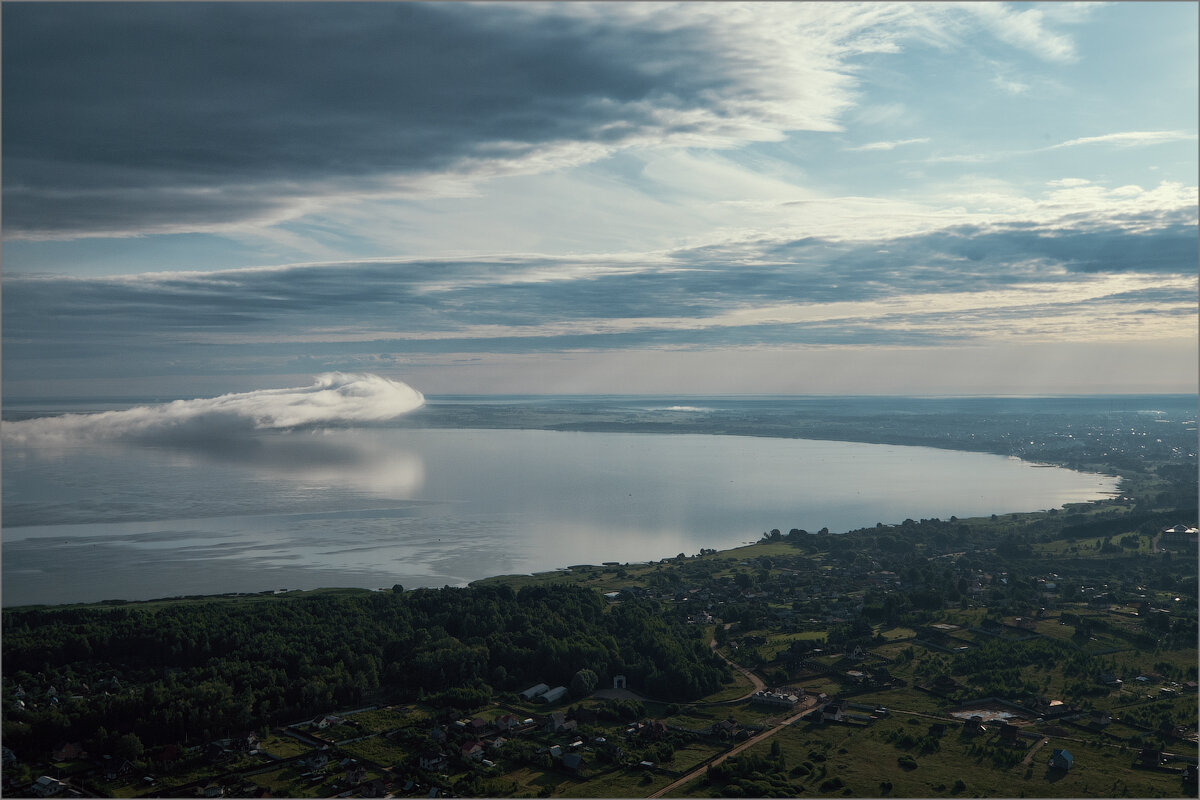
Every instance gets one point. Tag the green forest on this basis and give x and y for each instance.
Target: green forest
(209, 669)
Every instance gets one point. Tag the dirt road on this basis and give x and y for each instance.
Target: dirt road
(808, 705)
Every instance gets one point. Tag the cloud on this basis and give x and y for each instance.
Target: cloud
(1009, 86)
(889, 145)
(1086, 274)
(1024, 29)
(128, 119)
(122, 119)
(1130, 139)
(333, 399)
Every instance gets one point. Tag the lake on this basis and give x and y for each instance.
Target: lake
(371, 507)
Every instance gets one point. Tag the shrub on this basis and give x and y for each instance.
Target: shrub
(907, 762)
(832, 784)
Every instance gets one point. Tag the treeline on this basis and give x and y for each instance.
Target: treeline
(193, 671)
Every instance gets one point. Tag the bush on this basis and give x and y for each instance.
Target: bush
(907, 762)
(832, 784)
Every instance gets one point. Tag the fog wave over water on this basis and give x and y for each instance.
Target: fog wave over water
(334, 398)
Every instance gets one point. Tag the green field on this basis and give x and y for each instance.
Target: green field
(864, 761)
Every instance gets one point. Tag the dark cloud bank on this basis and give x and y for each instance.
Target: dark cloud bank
(151, 116)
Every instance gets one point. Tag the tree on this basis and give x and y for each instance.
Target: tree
(583, 683)
(129, 747)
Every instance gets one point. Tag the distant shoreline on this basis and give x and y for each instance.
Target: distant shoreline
(1122, 446)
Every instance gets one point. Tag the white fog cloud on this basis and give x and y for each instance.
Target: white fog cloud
(333, 398)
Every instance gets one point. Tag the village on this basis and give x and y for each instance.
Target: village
(1043, 677)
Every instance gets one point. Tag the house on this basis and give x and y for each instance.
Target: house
(507, 722)
(945, 683)
(9, 756)
(1009, 734)
(556, 721)
(71, 751)
(431, 759)
(1149, 758)
(1179, 536)
(535, 691)
(556, 751)
(775, 699)
(724, 728)
(653, 730)
(472, 750)
(973, 725)
(46, 786)
(213, 790)
(376, 788)
(1109, 679)
(553, 695)
(218, 750)
(1061, 759)
(498, 742)
(169, 754)
(318, 759)
(572, 761)
(356, 774)
(1189, 778)
(115, 768)
(834, 711)
(1100, 718)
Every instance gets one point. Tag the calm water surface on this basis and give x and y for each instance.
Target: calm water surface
(426, 507)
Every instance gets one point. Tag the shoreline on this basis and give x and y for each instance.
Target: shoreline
(536, 576)
(1116, 449)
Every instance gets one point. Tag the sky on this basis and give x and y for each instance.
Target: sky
(611, 198)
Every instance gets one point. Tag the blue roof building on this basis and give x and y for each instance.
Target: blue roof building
(1061, 759)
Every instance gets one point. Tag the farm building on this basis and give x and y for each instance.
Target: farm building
(1061, 759)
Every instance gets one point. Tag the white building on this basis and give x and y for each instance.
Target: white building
(553, 695)
(535, 691)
